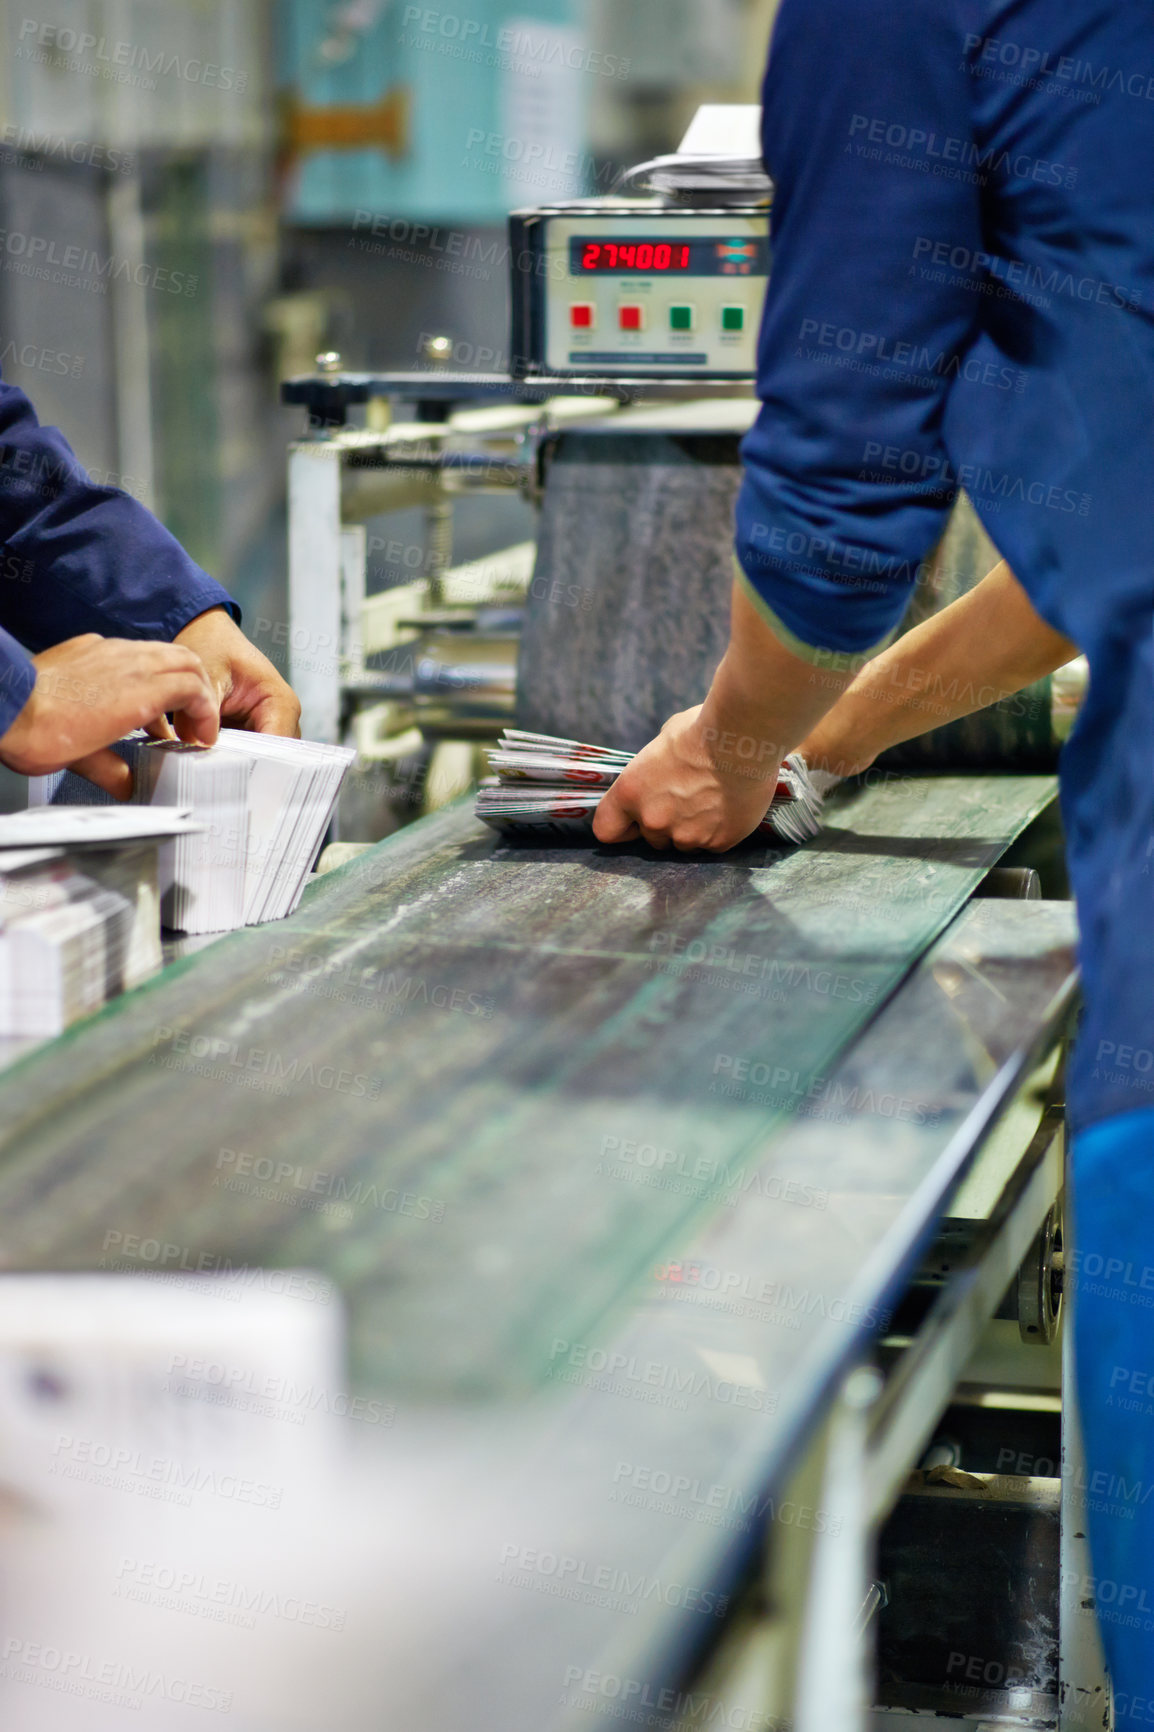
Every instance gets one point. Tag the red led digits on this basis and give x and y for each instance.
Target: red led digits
(648, 258)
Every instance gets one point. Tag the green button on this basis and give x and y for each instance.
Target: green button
(733, 318)
(681, 318)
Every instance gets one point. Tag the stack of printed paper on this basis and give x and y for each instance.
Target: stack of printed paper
(261, 803)
(79, 911)
(202, 875)
(63, 944)
(547, 786)
(106, 848)
(293, 792)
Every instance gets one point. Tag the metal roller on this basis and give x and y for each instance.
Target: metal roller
(455, 680)
(1035, 1298)
(464, 686)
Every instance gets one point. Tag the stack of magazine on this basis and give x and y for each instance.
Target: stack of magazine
(262, 805)
(546, 786)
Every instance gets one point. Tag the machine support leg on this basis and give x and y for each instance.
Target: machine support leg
(315, 647)
(354, 575)
(1084, 1697)
(835, 1685)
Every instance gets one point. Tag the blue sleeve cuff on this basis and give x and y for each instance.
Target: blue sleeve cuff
(830, 589)
(144, 615)
(198, 598)
(815, 654)
(17, 678)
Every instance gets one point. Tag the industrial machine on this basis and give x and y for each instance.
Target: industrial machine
(696, 1223)
(634, 321)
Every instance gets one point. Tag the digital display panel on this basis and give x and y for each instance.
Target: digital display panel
(650, 256)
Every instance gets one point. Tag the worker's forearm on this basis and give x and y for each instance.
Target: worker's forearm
(987, 645)
(764, 700)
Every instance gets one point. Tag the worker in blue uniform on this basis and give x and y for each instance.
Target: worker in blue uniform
(106, 624)
(962, 296)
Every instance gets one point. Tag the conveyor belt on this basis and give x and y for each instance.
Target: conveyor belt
(444, 1534)
(535, 1564)
(477, 1028)
(780, 1294)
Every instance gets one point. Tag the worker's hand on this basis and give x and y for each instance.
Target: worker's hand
(251, 693)
(92, 690)
(694, 786)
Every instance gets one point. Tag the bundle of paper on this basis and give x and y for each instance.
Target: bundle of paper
(544, 785)
(116, 848)
(261, 803)
(293, 792)
(79, 828)
(64, 940)
(202, 874)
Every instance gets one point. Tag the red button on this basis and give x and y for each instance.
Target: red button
(581, 314)
(632, 318)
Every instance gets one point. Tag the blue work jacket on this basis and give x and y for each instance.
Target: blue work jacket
(78, 557)
(962, 295)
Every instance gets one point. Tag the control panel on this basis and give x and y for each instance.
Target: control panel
(627, 289)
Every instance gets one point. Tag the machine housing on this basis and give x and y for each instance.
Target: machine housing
(638, 288)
